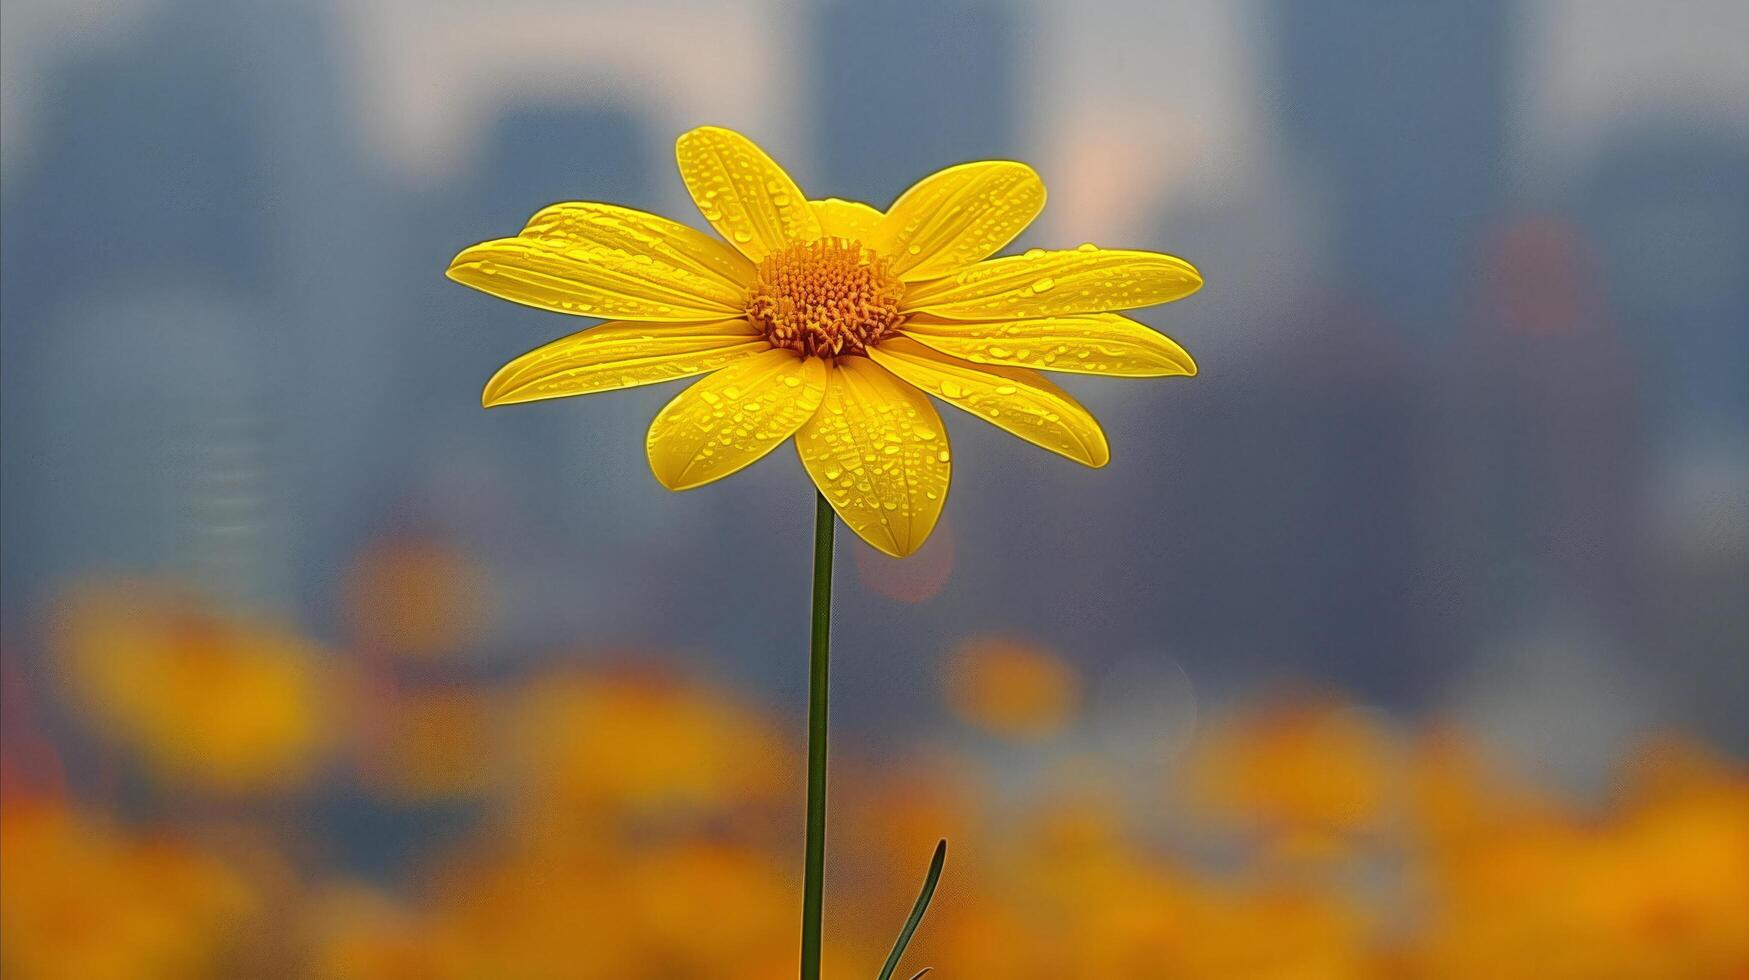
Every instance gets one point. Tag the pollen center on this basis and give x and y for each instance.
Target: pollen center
(825, 298)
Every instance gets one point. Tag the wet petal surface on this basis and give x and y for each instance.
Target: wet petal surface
(1060, 283)
(733, 417)
(621, 355)
(743, 193)
(878, 452)
(1092, 343)
(1017, 400)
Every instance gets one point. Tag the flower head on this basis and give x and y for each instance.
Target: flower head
(828, 321)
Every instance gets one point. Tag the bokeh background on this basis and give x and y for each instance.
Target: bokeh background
(1408, 640)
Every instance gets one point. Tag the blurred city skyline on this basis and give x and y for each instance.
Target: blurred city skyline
(1444, 412)
(1405, 639)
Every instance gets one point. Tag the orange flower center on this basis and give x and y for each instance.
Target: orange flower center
(825, 298)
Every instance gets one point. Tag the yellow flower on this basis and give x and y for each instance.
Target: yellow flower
(828, 321)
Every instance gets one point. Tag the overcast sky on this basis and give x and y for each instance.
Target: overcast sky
(1178, 83)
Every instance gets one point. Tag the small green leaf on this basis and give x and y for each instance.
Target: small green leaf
(916, 914)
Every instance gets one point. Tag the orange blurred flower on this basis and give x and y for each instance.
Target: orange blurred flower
(416, 596)
(430, 743)
(1654, 888)
(1303, 773)
(86, 902)
(1455, 797)
(1291, 932)
(356, 933)
(535, 914)
(699, 907)
(203, 697)
(571, 910)
(647, 742)
(1011, 688)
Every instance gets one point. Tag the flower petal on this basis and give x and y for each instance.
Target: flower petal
(850, 220)
(1041, 283)
(731, 418)
(879, 453)
(612, 230)
(582, 281)
(621, 355)
(743, 193)
(958, 216)
(1016, 399)
(1091, 343)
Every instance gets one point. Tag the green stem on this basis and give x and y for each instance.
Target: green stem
(814, 884)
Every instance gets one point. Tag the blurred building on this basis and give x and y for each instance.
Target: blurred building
(1663, 206)
(1400, 111)
(1547, 465)
(1663, 202)
(1292, 531)
(177, 251)
(558, 454)
(548, 491)
(900, 90)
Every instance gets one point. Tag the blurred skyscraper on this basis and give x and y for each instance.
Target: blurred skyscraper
(1540, 487)
(557, 455)
(190, 170)
(1664, 202)
(1400, 111)
(1663, 205)
(230, 352)
(558, 494)
(1286, 535)
(903, 89)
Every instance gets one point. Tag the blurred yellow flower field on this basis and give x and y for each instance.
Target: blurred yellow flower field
(87, 900)
(1302, 836)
